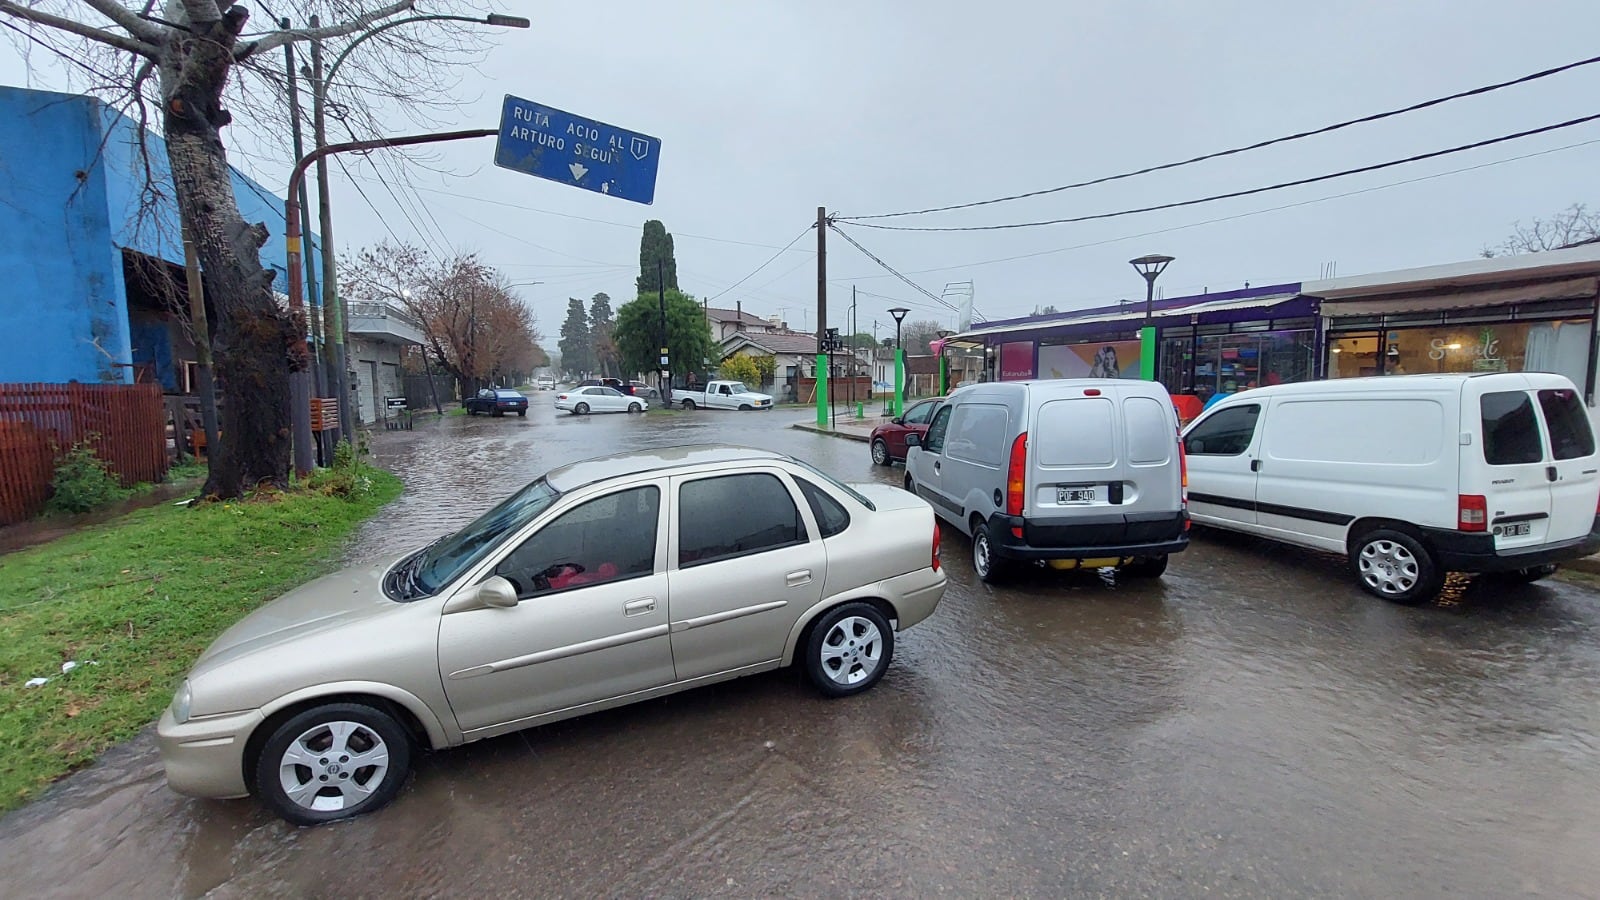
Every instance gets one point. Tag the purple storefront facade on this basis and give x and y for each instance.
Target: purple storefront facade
(1205, 344)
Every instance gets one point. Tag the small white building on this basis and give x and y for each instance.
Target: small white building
(378, 334)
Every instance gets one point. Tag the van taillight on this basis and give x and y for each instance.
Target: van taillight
(1014, 475)
(936, 541)
(1183, 468)
(1472, 512)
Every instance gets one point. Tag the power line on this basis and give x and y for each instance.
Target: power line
(891, 270)
(785, 249)
(1249, 192)
(1230, 218)
(1236, 150)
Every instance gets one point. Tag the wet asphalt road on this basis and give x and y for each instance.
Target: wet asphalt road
(1250, 725)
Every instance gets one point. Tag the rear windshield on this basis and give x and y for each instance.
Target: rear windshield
(1510, 429)
(1571, 436)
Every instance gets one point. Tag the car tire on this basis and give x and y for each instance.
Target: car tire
(688, 404)
(635, 408)
(471, 411)
(1145, 567)
(880, 453)
(1528, 575)
(582, 409)
(848, 649)
(909, 484)
(496, 414)
(1396, 566)
(291, 763)
(745, 407)
(991, 568)
(522, 414)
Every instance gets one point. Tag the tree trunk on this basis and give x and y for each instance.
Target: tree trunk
(254, 337)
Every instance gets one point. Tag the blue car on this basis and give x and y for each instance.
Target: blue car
(497, 402)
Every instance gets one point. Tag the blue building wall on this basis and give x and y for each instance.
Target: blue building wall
(61, 287)
(71, 184)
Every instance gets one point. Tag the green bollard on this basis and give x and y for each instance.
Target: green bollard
(861, 409)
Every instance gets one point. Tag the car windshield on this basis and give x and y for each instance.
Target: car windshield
(441, 563)
(857, 495)
(739, 388)
(509, 394)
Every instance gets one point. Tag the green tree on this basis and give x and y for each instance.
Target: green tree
(638, 334)
(740, 367)
(656, 245)
(766, 367)
(601, 323)
(576, 344)
(862, 340)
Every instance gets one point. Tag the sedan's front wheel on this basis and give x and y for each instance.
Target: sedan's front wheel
(635, 408)
(333, 762)
(849, 649)
(880, 453)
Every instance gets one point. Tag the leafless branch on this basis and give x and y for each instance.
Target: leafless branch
(71, 26)
(279, 38)
(128, 20)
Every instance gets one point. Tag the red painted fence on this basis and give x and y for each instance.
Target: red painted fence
(125, 423)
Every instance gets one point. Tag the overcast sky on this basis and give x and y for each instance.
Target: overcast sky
(768, 110)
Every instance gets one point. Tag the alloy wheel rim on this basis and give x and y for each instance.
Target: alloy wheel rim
(333, 766)
(1388, 567)
(852, 650)
(880, 453)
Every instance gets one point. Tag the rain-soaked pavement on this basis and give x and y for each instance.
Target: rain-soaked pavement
(1250, 725)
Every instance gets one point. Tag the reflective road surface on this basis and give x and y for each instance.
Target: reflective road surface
(1250, 725)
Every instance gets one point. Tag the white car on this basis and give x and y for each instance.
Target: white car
(597, 398)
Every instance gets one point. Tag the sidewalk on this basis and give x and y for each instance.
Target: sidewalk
(850, 428)
(1589, 565)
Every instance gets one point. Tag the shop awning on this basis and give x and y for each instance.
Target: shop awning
(1569, 289)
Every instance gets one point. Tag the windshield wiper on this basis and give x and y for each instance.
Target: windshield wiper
(411, 568)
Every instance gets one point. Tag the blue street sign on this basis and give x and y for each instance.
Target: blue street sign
(538, 140)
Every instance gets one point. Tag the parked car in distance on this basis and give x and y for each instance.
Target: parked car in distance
(1076, 473)
(722, 395)
(603, 583)
(1406, 476)
(497, 402)
(547, 384)
(582, 401)
(640, 389)
(888, 441)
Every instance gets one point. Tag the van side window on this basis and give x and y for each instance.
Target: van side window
(978, 434)
(934, 442)
(1510, 431)
(1228, 432)
(1571, 436)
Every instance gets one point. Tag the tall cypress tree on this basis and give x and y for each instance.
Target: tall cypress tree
(577, 345)
(656, 245)
(601, 322)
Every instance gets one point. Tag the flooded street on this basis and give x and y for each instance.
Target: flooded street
(1251, 724)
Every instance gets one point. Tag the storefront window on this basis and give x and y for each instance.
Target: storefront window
(1560, 346)
(1177, 364)
(1228, 363)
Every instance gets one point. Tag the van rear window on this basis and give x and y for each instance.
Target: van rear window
(1571, 435)
(1510, 430)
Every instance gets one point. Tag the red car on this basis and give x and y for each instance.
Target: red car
(889, 439)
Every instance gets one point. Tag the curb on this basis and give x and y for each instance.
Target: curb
(1589, 565)
(860, 438)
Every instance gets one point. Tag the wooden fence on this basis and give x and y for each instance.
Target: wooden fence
(125, 423)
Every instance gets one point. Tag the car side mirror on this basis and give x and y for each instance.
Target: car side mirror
(913, 440)
(897, 420)
(498, 592)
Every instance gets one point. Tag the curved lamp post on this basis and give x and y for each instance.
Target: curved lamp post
(1151, 268)
(899, 313)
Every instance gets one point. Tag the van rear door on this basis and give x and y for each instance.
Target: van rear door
(1575, 484)
(1516, 498)
(1075, 454)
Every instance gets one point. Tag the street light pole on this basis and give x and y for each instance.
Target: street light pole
(944, 363)
(1150, 267)
(899, 313)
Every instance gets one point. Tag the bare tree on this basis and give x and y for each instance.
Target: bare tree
(915, 336)
(473, 326)
(1576, 224)
(192, 48)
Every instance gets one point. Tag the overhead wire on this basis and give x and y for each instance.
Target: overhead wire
(1360, 120)
(1282, 185)
(770, 260)
(892, 271)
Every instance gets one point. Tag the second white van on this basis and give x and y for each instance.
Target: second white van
(1408, 476)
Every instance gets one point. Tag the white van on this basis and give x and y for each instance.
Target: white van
(1409, 476)
(1079, 473)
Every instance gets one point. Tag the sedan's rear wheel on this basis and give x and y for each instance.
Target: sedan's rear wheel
(880, 453)
(849, 649)
(582, 409)
(333, 762)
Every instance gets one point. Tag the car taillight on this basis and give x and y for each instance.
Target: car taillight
(1183, 469)
(561, 396)
(1472, 512)
(937, 540)
(1014, 475)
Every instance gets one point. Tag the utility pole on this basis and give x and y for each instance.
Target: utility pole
(822, 315)
(666, 365)
(852, 344)
(332, 318)
(319, 363)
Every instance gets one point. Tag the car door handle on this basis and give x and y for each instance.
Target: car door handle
(936, 465)
(639, 607)
(1551, 473)
(1255, 465)
(796, 579)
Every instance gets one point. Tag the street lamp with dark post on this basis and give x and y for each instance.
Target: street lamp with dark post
(899, 313)
(332, 306)
(1151, 268)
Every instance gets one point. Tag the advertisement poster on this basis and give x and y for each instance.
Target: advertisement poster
(1016, 361)
(1108, 359)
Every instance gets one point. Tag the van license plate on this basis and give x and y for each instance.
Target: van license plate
(1076, 495)
(1516, 529)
